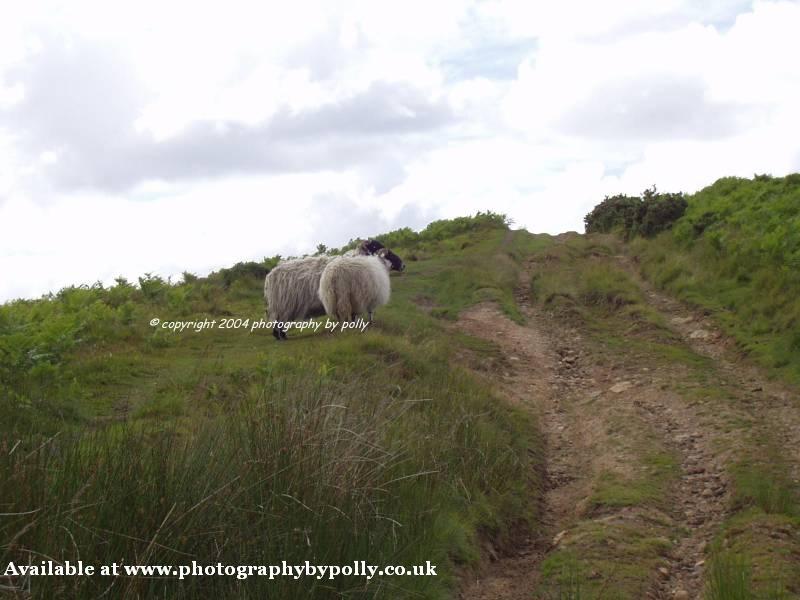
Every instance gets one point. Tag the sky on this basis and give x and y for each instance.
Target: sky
(156, 137)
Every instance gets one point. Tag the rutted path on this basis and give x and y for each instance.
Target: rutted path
(679, 390)
(700, 500)
(773, 402)
(530, 381)
(579, 397)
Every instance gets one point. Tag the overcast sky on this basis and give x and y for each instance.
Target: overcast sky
(167, 136)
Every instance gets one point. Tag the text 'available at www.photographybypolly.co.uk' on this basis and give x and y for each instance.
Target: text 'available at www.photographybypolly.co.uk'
(358, 568)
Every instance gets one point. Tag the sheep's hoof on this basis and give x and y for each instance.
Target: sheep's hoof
(278, 334)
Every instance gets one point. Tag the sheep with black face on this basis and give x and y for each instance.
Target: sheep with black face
(357, 285)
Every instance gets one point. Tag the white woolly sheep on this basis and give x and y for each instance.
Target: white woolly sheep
(356, 285)
(291, 288)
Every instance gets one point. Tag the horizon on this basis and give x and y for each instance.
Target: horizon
(173, 278)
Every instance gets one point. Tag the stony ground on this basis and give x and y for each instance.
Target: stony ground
(638, 454)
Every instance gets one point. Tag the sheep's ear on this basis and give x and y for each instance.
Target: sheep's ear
(371, 246)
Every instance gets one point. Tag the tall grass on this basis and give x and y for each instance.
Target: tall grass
(565, 578)
(299, 468)
(768, 487)
(729, 578)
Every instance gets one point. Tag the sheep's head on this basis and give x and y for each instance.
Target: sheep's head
(371, 246)
(391, 260)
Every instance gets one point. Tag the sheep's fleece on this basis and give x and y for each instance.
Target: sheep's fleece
(290, 289)
(354, 285)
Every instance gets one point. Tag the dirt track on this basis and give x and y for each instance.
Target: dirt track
(601, 414)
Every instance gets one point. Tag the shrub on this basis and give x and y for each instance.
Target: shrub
(658, 212)
(614, 213)
(153, 286)
(646, 216)
(120, 293)
(242, 270)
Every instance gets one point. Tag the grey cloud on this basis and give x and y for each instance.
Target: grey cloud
(653, 108)
(383, 108)
(77, 96)
(374, 130)
(82, 102)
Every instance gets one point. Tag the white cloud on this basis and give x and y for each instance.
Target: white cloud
(162, 137)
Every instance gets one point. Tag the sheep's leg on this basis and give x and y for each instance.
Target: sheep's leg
(370, 317)
(279, 334)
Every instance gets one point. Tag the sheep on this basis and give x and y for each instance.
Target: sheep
(357, 285)
(291, 288)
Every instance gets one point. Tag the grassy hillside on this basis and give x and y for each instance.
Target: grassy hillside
(736, 252)
(130, 443)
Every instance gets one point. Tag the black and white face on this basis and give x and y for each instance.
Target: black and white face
(394, 262)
